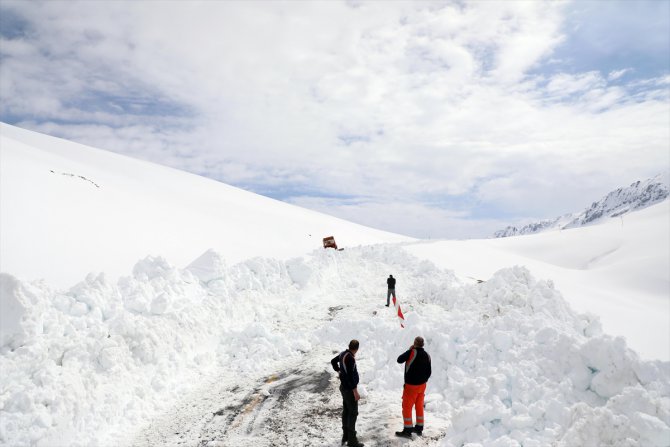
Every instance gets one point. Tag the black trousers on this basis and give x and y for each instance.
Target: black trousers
(388, 295)
(349, 410)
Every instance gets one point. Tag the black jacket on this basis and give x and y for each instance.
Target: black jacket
(345, 364)
(417, 366)
(391, 283)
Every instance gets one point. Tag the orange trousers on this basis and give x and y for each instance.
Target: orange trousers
(412, 396)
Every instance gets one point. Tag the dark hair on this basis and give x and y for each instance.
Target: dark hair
(353, 345)
(418, 342)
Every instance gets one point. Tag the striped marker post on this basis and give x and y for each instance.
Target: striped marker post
(400, 315)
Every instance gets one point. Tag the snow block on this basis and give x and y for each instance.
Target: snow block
(151, 267)
(208, 266)
(299, 272)
(12, 310)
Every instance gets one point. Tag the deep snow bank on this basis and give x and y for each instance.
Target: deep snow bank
(513, 364)
(85, 366)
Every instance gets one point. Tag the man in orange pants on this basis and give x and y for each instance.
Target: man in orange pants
(417, 373)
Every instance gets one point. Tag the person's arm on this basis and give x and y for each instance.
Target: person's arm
(402, 358)
(430, 370)
(336, 363)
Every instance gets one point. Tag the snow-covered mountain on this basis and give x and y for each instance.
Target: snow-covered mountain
(617, 203)
(219, 332)
(68, 209)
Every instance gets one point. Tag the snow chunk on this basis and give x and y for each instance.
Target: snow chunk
(653, 432)
(299, 271)
(502, 340)
(12, 310)
(209, 266)
(611, 364)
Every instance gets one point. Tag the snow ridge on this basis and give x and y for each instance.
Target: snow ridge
(617, 203)
(513, 363)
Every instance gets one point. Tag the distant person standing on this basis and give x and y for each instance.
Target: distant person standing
(345, 364)
(417, 373)
(390, 282)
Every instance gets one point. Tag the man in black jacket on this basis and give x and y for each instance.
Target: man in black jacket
(417, 373)
(345, 364)
(390, 282)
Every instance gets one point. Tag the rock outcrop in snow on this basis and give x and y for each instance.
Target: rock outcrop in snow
(621, 201)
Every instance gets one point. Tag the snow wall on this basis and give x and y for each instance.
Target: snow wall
(512, 363)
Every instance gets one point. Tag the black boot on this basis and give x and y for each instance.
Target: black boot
(418, 429)
(353, 441)
(345, 436)
(405, 433)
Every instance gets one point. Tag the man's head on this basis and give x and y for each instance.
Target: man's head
(418, 342)
(390, 276)
(353, 345)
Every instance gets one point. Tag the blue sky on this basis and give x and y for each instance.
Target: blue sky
(433, 119)
(613, 35)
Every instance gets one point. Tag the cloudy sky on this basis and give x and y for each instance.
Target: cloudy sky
(432, 119)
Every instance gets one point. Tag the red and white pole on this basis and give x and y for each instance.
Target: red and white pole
(400, 315)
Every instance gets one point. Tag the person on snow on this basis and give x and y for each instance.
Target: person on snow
(390, 282)
(417, 373)
(345, 364)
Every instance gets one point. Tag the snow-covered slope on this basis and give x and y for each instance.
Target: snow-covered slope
(617, 203)
(191, 346)
(618, 270)
(68, 209)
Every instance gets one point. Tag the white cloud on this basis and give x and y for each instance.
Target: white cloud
(564, 84)
(616, 74)
(393, 100)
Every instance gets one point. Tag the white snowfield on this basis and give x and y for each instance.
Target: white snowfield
(69, 209)
(618, 270)
(233, 347)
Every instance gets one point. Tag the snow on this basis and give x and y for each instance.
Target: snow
(618, 270)
(50, 203)
(229, 343)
